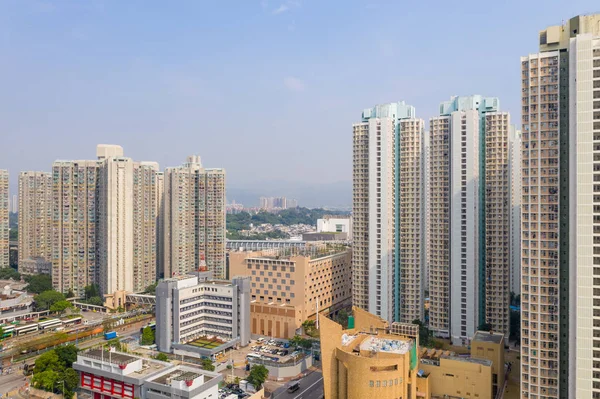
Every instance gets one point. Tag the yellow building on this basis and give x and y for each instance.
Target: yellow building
(289, 286)
(374, 359)
(490, 345)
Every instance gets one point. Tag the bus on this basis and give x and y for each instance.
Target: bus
(28, 367)
(8, 330)
(50, 324)
(151, 325)
(293, 387)
(71, 322)
(253, 356)
(26, 329)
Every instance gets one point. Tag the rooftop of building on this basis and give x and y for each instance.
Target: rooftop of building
(485, 336)
(313, 252)
(433, 356)
(181, 373)
(368, 345)
(110, 357)
(148, 366)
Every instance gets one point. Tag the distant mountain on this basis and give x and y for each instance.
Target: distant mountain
(338, 194)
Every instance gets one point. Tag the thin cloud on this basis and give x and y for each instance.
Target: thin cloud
(264, 4)
(282, 8)
(294, 84)
(285, 7)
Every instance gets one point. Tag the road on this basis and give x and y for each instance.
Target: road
(311, 387)
(10, 382)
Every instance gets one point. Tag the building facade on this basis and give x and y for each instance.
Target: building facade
(192, 306)
(375, 359)
(116, 375)
(147, 198)
(115, 220)
(335, 224)
(74, 225)
(290, 286)
(560, 102)
(470, 209)
(194, 219)
(515, 199)
(35, 216)
(4, 220)
(387, 282)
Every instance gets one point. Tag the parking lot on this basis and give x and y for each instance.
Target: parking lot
(273, 350)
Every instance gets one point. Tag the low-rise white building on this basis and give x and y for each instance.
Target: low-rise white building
(195, 306)
(335, 224)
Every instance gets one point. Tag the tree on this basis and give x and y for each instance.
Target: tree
(299, 342)
(485, 327)
(147, 336)
(38, 283)
(95, 300)
(342, 318)
(60, 306)
(67, 354)
(91, 291)
(71, 380)
(46, 380)
(162, 357)
(48, 361)
(70, 294)
(48, 298)
(515, 326)
(258, 375)
(151, 289)
(6, 273)
(207, 364)
(425, 338)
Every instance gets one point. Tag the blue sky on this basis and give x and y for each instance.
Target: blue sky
(267, 89)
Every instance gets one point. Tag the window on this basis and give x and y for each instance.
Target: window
(378, 384)
(371, 383)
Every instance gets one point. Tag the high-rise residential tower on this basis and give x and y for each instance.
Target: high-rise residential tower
(115, 220)
(74, 225)
(4, 221)
(388, 206)
(35, 216)
(146, 207)
(515, 198)
(560, 319)
(469, 201)
(194, 219)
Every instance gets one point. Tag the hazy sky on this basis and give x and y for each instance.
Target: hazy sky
(266, 89)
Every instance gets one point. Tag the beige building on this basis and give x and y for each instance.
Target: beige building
(146, 209)
(35, 216)
(33, 266)
(194, 219)
(490, 345)
(375, 359)
(74, 225)
(4, 221)
(560, 322)
(289, 286)
(498, 220)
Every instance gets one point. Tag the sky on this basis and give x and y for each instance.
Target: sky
(266, 89)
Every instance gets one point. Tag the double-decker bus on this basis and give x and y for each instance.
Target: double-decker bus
(50, 324)
(71, 322)
(26, 329)
(7, 330)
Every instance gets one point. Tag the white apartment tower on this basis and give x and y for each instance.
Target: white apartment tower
(35, 216)
(388, 204)
(4, 221)
(560, 294)
(194, 219)
(115, 220)
(469, 202)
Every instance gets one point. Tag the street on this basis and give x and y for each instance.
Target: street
(311, 387)
(10, 382)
